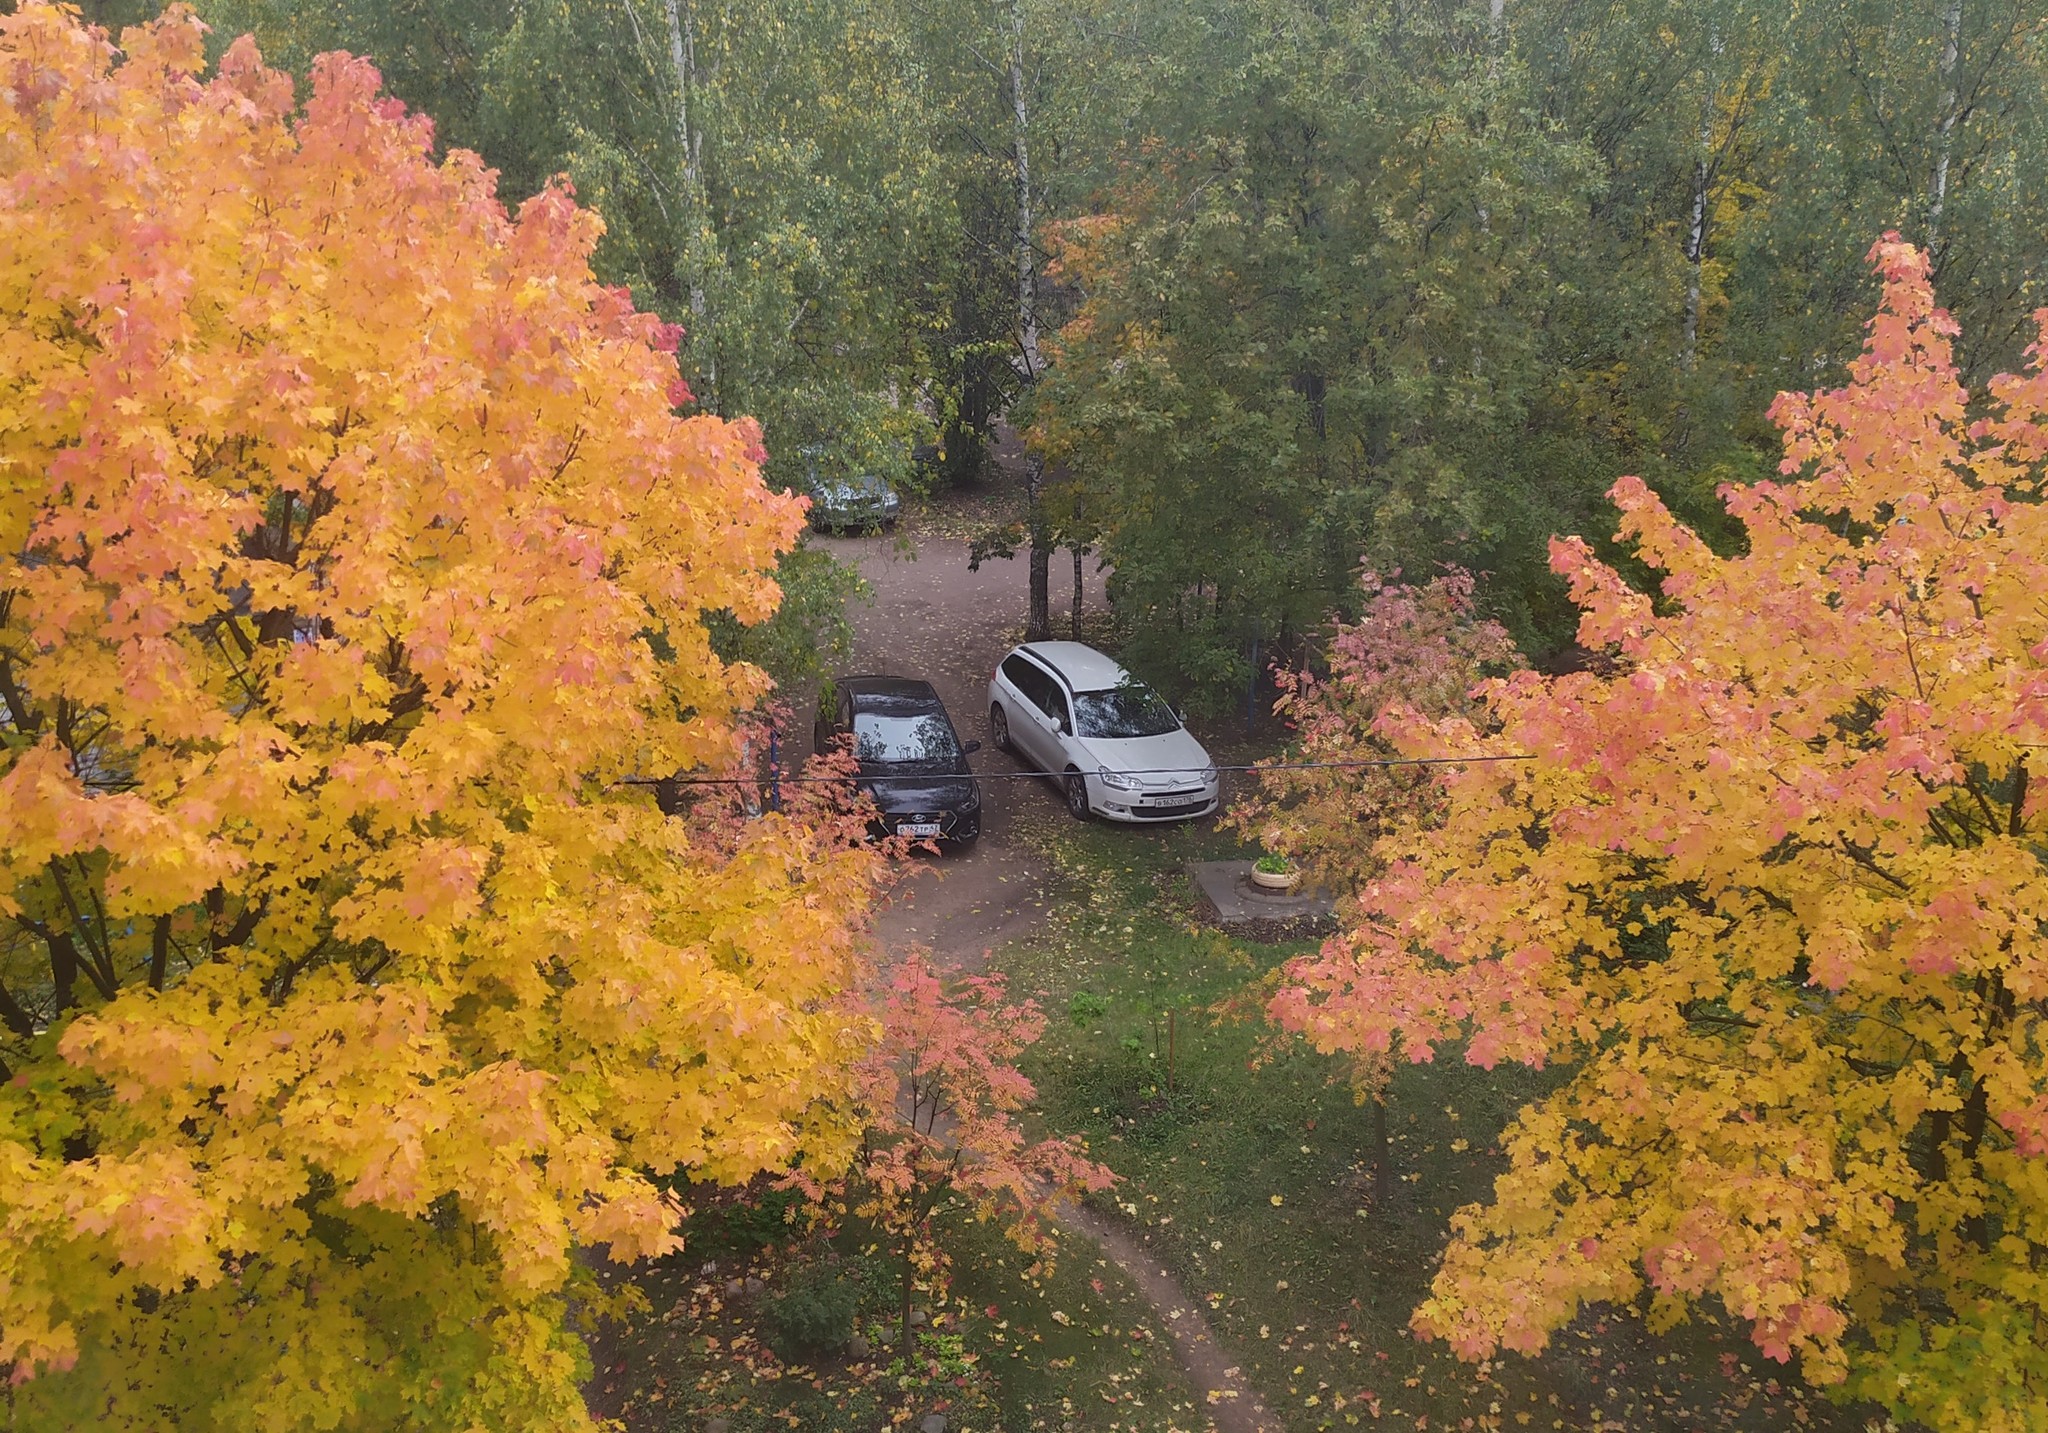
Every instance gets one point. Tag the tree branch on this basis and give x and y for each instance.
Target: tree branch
(1869, 863)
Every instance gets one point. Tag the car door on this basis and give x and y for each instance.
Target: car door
(1057, 735)
(1027, 720)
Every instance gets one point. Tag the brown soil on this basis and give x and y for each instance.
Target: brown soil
(933, 618)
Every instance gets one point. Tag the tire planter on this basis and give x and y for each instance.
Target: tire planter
(1266, 880)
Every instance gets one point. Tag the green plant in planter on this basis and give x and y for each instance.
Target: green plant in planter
(1272, 865)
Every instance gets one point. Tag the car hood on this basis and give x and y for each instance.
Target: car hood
(938, 791)
(1169, 762)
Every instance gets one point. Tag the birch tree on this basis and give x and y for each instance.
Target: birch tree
(1030, 359)
(1946, 118)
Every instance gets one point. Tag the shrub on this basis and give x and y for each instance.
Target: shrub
(814, 1313)
(733, 1224)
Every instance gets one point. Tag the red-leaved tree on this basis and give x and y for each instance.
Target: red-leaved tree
(942, 1094)
(1415, 651)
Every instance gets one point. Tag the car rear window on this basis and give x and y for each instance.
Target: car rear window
(1029, 679)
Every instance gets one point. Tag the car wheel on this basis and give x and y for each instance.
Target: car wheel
(1077, 796)
(999, 730)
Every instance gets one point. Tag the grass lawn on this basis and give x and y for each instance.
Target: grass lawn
(1249, 1171)
(1076, 1347)
(1246, 1168)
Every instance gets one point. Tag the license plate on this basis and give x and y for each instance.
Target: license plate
(918, 828)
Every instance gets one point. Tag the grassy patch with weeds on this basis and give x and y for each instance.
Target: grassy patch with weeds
(742, 1326)
(1247, 1166)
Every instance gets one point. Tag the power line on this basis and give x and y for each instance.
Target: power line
(1195, 772)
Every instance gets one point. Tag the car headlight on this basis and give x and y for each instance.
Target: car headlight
(1117, 781)
(1211, 775)
(973, 801)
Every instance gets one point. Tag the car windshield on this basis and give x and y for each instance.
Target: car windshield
(860, 485)
(1124, 712)
(901, 739)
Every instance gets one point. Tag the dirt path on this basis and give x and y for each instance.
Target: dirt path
(933, 618)
(1232, 1405)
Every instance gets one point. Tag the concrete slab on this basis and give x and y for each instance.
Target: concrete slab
(1255, 913)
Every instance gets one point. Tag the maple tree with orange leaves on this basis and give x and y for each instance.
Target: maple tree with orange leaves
(1772, 890)
(941, 1093)
(353, 557)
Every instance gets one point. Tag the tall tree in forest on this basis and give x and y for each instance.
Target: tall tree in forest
(1916, 117)
(1313, 304)
(768, 181)
(1030, 358)
(352, 557)
(1773, 894)
(1947, 115)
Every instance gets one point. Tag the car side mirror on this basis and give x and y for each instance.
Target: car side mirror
(970, 748)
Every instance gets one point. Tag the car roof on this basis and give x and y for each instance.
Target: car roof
(1085, 669)
(898, 688)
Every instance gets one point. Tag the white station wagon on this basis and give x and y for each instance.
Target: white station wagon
(1114, 746)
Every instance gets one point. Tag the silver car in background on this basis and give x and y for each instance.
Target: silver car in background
(861, 502)
(1115, 747)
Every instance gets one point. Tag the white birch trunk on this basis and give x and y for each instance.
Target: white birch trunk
(1945, 127)
(1696, 227)
(1038, 620)
(1695, 247)
(1027, 266)
(682, 45)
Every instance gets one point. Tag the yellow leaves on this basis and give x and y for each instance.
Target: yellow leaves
(336, 515)
(1770, 886)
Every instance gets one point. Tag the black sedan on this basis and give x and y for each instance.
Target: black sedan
(911, 760)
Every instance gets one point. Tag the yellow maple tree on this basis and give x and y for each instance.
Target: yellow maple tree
(1770, 887)
(352, 557)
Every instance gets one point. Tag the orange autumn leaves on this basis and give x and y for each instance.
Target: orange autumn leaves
(352, 556)
(1773, 892)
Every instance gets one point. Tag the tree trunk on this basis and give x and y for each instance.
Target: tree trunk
(1694, 246)
(1382, 1166)
(903, 1310)
(1945, 128)
(1026, 259)
(1077, 592)
(1038, 623)
(1696, 227)
(697, 239)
